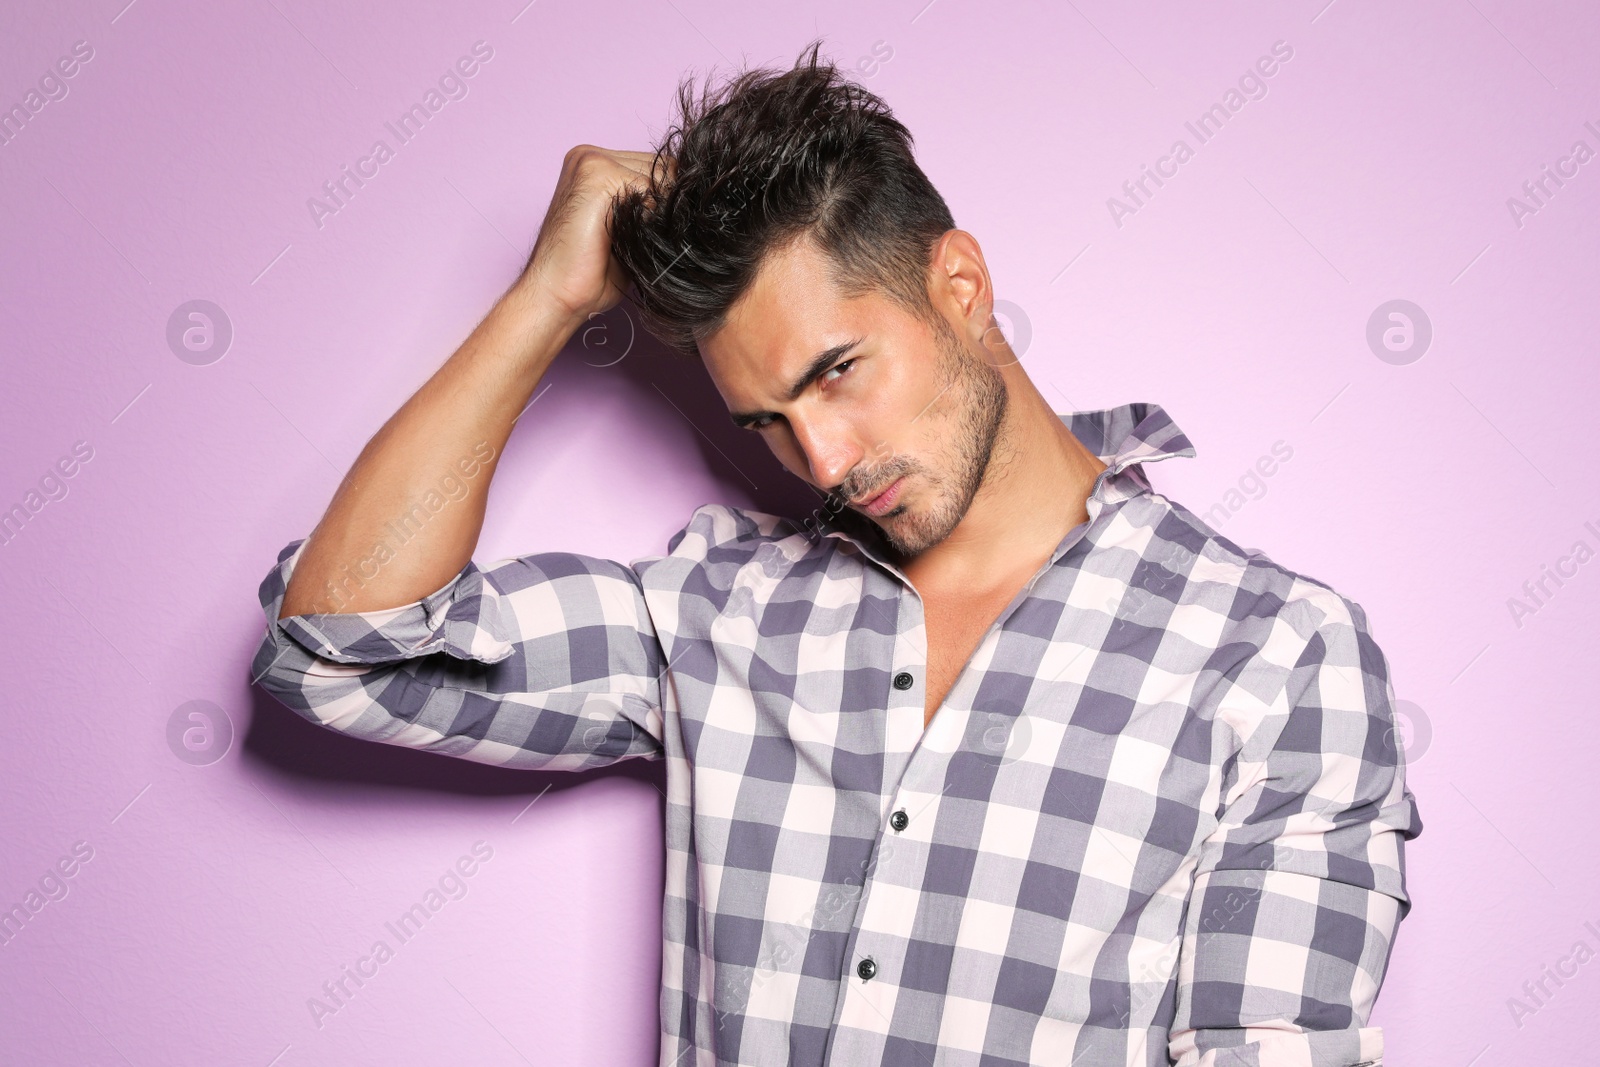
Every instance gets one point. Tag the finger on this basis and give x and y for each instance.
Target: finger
(639, 179)
(645, 167)
(646, 162)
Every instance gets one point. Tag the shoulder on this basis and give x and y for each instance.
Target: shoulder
(1254, 584)
(717, 529)
(719, 543)
(1269, 628)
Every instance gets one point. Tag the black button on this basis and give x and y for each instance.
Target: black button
(903, 680)
(866, 969)
(899, 820)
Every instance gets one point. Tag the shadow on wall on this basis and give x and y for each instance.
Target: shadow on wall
(679, 389)
(608, 354)
(303, 753)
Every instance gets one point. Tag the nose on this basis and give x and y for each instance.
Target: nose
(830, 450)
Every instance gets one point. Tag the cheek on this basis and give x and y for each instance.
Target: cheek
(919, 433)
(909, 413)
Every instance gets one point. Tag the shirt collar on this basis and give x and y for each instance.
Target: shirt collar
(1132, 433)
(1122, 437)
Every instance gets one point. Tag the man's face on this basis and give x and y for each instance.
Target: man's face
(859, 396)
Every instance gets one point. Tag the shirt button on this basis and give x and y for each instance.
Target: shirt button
(903, 680)
(899, 820)
(866, 969)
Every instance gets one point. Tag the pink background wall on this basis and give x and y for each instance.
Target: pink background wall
(1427, 485)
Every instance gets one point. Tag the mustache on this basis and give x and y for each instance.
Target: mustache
(865, 484)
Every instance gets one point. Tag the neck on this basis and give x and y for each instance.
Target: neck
(1034, 492)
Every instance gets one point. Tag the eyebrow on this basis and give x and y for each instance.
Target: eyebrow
(820, 364)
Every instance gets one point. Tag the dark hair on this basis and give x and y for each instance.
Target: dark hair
(767, 158)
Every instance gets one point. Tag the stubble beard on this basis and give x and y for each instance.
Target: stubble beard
(974, 426)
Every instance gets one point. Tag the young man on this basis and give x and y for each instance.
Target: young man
(1000, 758)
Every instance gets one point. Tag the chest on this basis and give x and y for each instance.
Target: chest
(956, 624)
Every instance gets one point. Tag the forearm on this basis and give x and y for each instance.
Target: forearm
(378, 545)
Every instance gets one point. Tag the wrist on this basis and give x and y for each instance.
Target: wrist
(545, 321)
(540, 311)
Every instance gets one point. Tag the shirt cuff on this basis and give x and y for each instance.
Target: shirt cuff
(465, 618)
(1267, 1047)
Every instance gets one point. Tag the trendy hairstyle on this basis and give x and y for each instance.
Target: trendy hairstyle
(767, 158)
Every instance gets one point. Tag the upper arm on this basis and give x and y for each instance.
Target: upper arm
(543, 661)
(1301, 887)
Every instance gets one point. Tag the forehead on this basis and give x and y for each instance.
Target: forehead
(792, 310)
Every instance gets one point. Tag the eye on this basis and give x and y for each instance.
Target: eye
(759, 423)
(840, 367)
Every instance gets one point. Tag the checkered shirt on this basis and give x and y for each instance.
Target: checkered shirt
(1159, 818)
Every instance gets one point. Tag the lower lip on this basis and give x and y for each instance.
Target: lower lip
(885, 500)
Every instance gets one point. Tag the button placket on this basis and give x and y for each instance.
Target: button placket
(883, 920)
(902, 697)
(878, 924)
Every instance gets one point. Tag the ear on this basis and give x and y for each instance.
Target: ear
(960, 286)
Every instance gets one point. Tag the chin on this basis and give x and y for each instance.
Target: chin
(909, 531)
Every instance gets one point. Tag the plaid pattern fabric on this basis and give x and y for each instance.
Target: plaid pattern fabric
(1158, 819)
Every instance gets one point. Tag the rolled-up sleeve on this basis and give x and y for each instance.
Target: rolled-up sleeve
(548, 661)
(1301, 887)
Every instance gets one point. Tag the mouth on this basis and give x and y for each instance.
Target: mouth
(884, 501)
